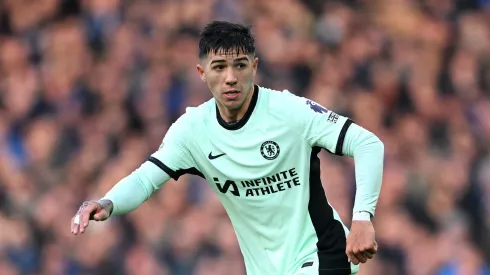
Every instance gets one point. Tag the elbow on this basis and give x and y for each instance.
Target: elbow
(371, 145)
(380, 146)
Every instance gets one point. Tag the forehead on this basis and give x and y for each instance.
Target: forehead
(227, 55)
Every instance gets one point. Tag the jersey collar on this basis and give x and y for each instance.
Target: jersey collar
(245, 118)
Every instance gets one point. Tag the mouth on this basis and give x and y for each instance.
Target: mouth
(231, 94)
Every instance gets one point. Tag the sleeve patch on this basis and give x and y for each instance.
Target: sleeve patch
(316, 107)
(333, 117)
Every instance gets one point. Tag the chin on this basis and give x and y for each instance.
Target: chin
(234, 105)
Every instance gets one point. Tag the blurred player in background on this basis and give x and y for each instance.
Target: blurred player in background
(257, 148)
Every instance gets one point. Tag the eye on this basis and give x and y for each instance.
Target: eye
(219, 67)
(241, 65)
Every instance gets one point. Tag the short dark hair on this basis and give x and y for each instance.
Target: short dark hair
(227, 37)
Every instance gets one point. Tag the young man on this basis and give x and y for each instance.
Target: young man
(257, 148)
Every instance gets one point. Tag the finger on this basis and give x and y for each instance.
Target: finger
(348, 252)
(83, 221)
(72, 226)
(361, 257)
(352, 258)
(371, 250)
(97, 216)
(85, 216)
(368, 255)
(75, 222)
(101, 215)
(358, 255)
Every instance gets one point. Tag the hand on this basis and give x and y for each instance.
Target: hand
(90, 210)
(361, 242)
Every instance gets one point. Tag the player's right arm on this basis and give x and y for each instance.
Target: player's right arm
(171, 160)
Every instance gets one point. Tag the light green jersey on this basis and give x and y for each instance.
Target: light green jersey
(266, 173)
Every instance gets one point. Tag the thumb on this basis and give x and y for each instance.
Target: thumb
(101, 215)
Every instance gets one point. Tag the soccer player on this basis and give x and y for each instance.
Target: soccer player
(257, 148)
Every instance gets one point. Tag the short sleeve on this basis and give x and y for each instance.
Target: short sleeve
(174, 156)
(319, 126)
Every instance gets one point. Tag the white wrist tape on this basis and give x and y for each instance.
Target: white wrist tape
(361, 216)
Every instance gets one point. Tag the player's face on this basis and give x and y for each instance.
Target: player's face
(229, 76)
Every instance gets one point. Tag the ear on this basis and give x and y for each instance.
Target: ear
(200, 70)
(255, 65)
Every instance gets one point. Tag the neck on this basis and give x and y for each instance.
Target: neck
(232, 116)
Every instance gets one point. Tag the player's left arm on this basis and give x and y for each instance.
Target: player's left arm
(368, 152)
(341, 136)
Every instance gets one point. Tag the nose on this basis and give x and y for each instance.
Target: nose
(230, 77)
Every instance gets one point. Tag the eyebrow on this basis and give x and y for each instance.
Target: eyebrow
(235, 60)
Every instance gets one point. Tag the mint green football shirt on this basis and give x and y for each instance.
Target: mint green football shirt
(266, 173)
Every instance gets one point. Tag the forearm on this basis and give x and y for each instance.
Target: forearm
(133, 190)
(368, 153)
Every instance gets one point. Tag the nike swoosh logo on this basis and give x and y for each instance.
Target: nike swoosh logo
(210, 156)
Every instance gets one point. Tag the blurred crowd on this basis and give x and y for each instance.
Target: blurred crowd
(88, 89)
